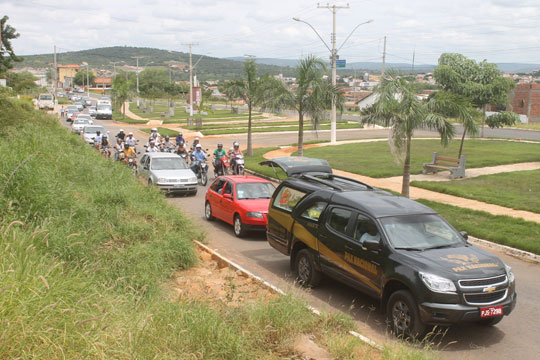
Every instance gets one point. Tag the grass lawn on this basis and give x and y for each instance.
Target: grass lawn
(530, 126)
(500, 229)
(375, 160)
(163, 131)
(180, 113)
(183, 121)
(118, 117)
(255, 124)
(274, 129)
(516, 190)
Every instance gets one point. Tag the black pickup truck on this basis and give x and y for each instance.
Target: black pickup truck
(422, 270)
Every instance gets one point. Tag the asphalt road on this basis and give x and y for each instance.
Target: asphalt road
(514, 337)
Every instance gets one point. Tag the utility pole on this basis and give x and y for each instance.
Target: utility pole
(383, 59)
(87, 82)
(137, 57)
(55, 82)
(333, 58)
(190, 77)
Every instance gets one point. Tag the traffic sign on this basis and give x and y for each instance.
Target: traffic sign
(341, 63)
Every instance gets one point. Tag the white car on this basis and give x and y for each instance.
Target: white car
(104, 112)
(80, 122)
(45, 101)
(89, 132)
(92, 111)
(168, 172)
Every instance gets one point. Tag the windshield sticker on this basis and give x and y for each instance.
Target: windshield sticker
(467, 262)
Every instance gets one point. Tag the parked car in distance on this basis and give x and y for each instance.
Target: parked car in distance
(70, 110)
(89, 133)
(168, 172)
(241, 201)
(80, 122)
(92, 111)
(396, 250)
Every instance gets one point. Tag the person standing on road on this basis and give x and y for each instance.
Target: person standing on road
(62, 112)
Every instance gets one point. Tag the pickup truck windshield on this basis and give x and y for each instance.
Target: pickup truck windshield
(420, 232)
(169, 164)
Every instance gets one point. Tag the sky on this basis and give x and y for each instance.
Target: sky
(496, 30)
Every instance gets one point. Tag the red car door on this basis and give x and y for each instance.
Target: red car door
(227, 202)
(215, 197)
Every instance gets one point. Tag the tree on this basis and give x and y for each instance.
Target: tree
(398, 107)
(21, 81)
(312, 95)
(7, 55)
(248, 89)
(152, 82)
(121, 92)
(80, 78)
(482, 83)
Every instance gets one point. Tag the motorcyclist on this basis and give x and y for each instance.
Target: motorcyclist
(155, 137)
(121, 135)
(152, 147)
(234, 152)
(218, 154)
(197, 156)
(105, 144)
(127, 153)
(194, 145)
(167, 145)
(118, 147)
(181, 149)
(180, 138)
(97, 139)
(131, 141)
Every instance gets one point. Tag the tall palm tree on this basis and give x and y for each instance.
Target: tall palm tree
(398, 107)
(247, 89)
(311, 97)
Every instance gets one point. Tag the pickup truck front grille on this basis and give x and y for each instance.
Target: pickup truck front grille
(485, 298)
(501, 279)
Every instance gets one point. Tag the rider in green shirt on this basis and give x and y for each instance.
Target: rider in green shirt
(219, 153)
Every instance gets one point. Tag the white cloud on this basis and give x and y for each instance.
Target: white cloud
(262, 28)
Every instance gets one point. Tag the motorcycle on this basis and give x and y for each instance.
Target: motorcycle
(238, 167)
(166, 149)
(221, 166)
(183, 155)
(106, 151)
(200, 168)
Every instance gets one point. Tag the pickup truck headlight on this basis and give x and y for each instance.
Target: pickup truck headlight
(437, 284)
(509, 273)
(254, 215)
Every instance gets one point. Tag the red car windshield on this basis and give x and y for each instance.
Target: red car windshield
(256, 190)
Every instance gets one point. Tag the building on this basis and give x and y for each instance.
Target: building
(66, 73)
(103, 82)
(525, 100)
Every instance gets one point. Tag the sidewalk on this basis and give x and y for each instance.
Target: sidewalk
(394, 184)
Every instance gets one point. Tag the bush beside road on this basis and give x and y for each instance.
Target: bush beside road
(87, 252)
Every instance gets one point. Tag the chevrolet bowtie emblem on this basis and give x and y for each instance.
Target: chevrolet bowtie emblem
(489, 289)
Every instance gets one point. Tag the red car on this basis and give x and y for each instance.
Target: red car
(241, 201)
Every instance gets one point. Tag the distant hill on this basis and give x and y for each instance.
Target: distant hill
(402, 67)
(209, 68)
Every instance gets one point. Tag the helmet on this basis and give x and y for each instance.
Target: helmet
(179, 134)
(98, 132)
(181, 143)
(126, 145)
(105, 135)
(153, 129)
(219, 145)
(166, 137)
(198, 146)
(152, 143)
(130, 133)
(236, 144)
(196, 139)
(121, 130)
(154, 134)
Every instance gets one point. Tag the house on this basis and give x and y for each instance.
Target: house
(103, 82)
(66, 73)
(525, 100)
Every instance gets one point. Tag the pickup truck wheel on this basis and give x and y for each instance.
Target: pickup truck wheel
(491, 321)
(308, 276)
(404, 317)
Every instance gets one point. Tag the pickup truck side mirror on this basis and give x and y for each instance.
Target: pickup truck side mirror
(464, 234)
(371, 245)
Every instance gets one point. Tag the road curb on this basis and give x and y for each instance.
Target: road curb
(222, 260)
(520, 254)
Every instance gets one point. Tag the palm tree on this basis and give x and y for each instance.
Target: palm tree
(312, 95)
(247, 89)
(121, 92)
(398, 107)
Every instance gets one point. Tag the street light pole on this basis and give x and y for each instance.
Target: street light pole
(190, 78)
(137, 57)
(333, 58)
(87, 83)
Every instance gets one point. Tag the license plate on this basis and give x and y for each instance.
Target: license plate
(177, 186)
(491, 311)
